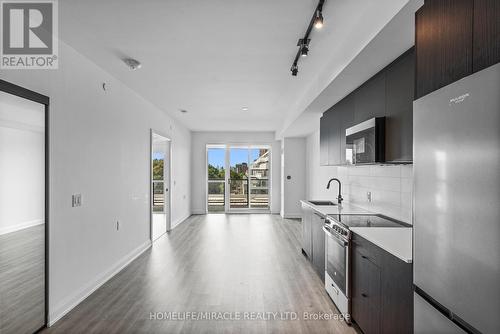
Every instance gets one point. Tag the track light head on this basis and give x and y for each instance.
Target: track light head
(318, 20)
(304, 50)
(295, 70)
(303, 46)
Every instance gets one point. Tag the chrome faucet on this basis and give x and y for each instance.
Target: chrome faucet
(339, 197)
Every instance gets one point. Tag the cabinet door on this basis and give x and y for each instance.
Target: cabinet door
(318, 245)
(400, 78)
(346, 120)
(443, 43)
(306, 230)
(334, 139)
(324, 136)
(369, 99)
(366, 303)
(486, 40)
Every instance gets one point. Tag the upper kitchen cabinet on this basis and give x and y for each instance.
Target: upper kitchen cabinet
(345, 117)
(324, 139)
(486, 36)
(400, 80)
(369, 99)
(388, 93)
(443, 43)
(453, 39)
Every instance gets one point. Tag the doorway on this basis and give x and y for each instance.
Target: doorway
(161, 162)
(23, 209)
(238, 178)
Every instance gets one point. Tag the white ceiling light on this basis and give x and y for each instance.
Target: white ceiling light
(244, 108)
(133, 64)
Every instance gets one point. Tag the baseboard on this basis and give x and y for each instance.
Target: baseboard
(199, 212)
(292, 216)
(21, 226)
(179, 221)
(72, 301)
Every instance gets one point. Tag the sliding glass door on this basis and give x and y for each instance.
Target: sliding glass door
(246, 187)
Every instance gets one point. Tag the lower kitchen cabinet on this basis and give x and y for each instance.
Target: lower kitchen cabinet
(313, 239)
(382, 290)
(318, 244)
(307, 213)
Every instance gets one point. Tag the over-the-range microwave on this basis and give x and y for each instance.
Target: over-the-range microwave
(365, 142)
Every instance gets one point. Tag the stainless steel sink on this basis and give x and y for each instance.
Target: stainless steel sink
(322, 203)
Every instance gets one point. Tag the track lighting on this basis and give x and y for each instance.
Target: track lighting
(318, 20)
(303, 44)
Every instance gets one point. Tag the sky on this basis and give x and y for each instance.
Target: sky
(236, 155)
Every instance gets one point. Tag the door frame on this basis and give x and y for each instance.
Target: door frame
(227, 160)
(27, 94)
(168, 216)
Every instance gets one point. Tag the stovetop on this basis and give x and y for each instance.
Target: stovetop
(372, 220)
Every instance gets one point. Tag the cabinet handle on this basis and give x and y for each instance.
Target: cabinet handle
(364, 257)
(364, 295)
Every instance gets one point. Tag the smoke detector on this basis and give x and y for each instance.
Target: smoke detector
(133, 64)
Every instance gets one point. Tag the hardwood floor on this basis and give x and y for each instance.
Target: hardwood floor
(22, 280)
(214, 263)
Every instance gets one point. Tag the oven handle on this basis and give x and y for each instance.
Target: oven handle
(333, 236)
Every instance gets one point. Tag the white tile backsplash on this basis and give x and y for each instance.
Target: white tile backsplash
(390, 187)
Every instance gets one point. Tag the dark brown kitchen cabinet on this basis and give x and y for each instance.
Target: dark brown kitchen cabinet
(389, 93)
(345, 117)
(366, 296)
(382, 290)
(486, 34)
(307, 213)
(443, 43)
(335, 136)
(399, 83)
(369, 99)
(313, 239)
(453, 39)
(318, 245)
(324, 139)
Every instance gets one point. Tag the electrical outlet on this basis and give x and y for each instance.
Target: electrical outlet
(76, 200)
(369, 196)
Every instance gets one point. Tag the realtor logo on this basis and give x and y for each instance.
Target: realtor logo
(29, 34)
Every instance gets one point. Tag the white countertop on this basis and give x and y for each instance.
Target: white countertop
(345, 208)
(395, 240)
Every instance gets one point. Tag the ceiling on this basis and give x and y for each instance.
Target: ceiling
(397, 36)
(212, 58)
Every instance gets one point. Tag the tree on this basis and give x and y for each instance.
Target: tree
(158, 169)
(215, 173)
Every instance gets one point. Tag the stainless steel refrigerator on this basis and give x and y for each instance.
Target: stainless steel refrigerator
(457, 206)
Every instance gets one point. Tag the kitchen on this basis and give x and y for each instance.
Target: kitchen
(285, 166)
(400, 155)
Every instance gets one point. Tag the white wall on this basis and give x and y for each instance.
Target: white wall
(99, 147)
(390, 186)
(22, 163)
(200, 140)
(294, 165)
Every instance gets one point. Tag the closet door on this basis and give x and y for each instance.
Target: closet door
(22, 213)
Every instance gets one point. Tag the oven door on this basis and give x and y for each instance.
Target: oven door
(337, 252)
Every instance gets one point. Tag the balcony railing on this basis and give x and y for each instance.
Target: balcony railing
(240, 195)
